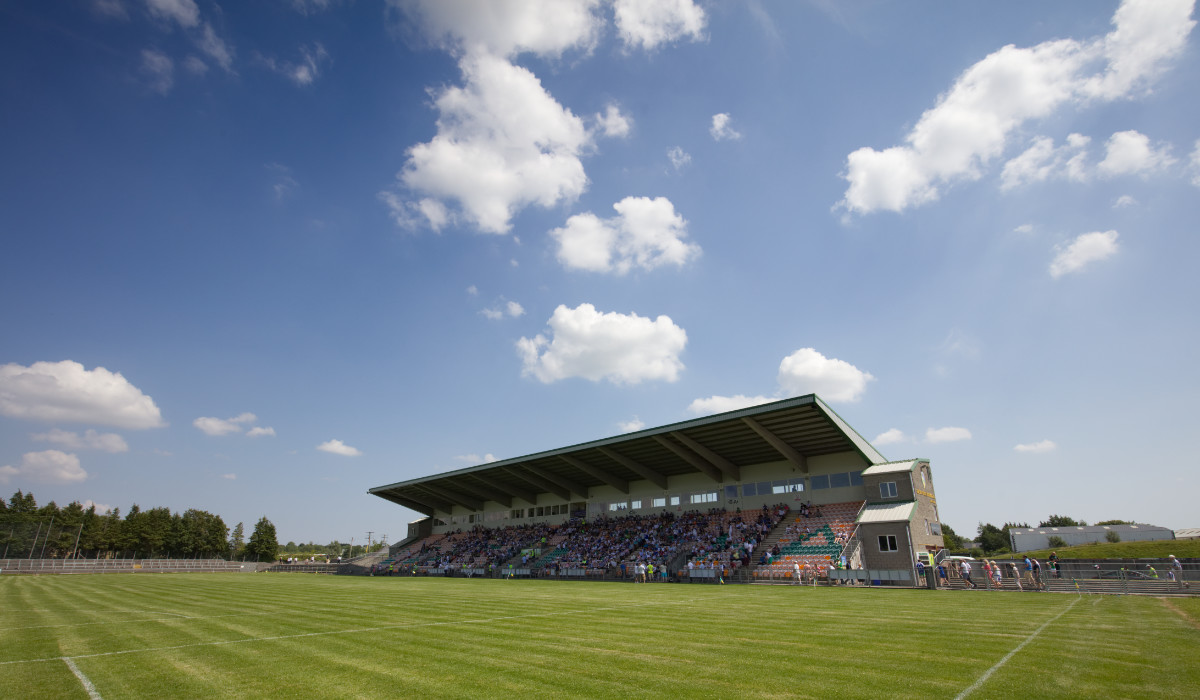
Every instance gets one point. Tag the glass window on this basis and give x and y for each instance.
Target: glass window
(763, 488)
(856, 478)
(748, 490)
(636, 505)
(797, 483)
(658, 503)
(839, 480)
(730, 492)
(887, 543)
(887, 489)
(819, 482)
(674, 500)
(709, 497)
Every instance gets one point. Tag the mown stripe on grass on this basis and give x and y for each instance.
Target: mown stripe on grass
(988, 673)
(324, 633)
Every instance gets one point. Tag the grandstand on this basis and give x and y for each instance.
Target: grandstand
(746, 494)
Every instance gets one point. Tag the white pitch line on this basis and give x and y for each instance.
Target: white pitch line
(988, 673)
(140, 619)
(381, 628)
(87, 684)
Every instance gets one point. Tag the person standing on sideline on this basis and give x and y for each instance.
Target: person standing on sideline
(1176, 570)
(1053, 560)
(942, 580)
(966, 574)
(796, 572)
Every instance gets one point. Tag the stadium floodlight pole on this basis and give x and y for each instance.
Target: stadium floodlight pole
(32, 546)
(369, 542)
(75, 549)
(47, 540)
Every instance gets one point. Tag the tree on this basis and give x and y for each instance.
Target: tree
(952, 540)
(262, 545)
(992, 539)
(1116, 522)
(1061, 521)
(1112, 536)
(1054, 542)
(237, 541)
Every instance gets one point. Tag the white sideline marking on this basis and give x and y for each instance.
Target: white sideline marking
(988, 673)
(87, 684)
(473, 621)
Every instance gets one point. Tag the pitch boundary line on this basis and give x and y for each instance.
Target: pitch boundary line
(988, 673)
(87, 684)
(358, 630)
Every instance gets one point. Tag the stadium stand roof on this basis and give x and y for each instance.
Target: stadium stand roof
(887, 512)
(792, 430)
(891, 467)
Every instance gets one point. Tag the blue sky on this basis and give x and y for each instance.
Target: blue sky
(260, 257)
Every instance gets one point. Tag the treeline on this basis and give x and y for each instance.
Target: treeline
(30, 531)
(995, 540)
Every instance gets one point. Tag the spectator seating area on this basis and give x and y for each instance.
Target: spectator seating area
(605, 546)
(814, 541)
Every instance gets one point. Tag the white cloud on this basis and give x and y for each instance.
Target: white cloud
(503, 143)
(650, 23)
(48, 467)
(1130, 153)
(1195, 164)
(890, 437)
(678, 157)
(1024, 229)
(505, 27)
(722, 404)
(219, 426)
(231, 477)
(184, 12)
(1043, 161)
(101, 508)
(473, 290)
(310, 7)
(158, 69)
(646, 233)
(476, 459)
(216, 48)
(1124, 201)
(66, 392)
(304, 71)
(624, 349)
(195, 65)
(1040, 446)
(721, 130)
(948, 434)
(970, 124)
(632, 425)
(1087, 248)
(807, 371)
(113, 9)
(338, 447)
(510, 309)
(90, 440)
(261, 431)
(613, 123)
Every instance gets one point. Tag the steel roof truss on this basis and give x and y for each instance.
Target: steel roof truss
(642, 470)
(613, 481)
(487, 494)
(731, 470)
(692, 459)
(520, 470)
(568, 484)
(527, 496)
(790, 453)
(455, 497)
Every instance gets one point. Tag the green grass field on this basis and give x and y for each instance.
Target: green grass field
(259, 635)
